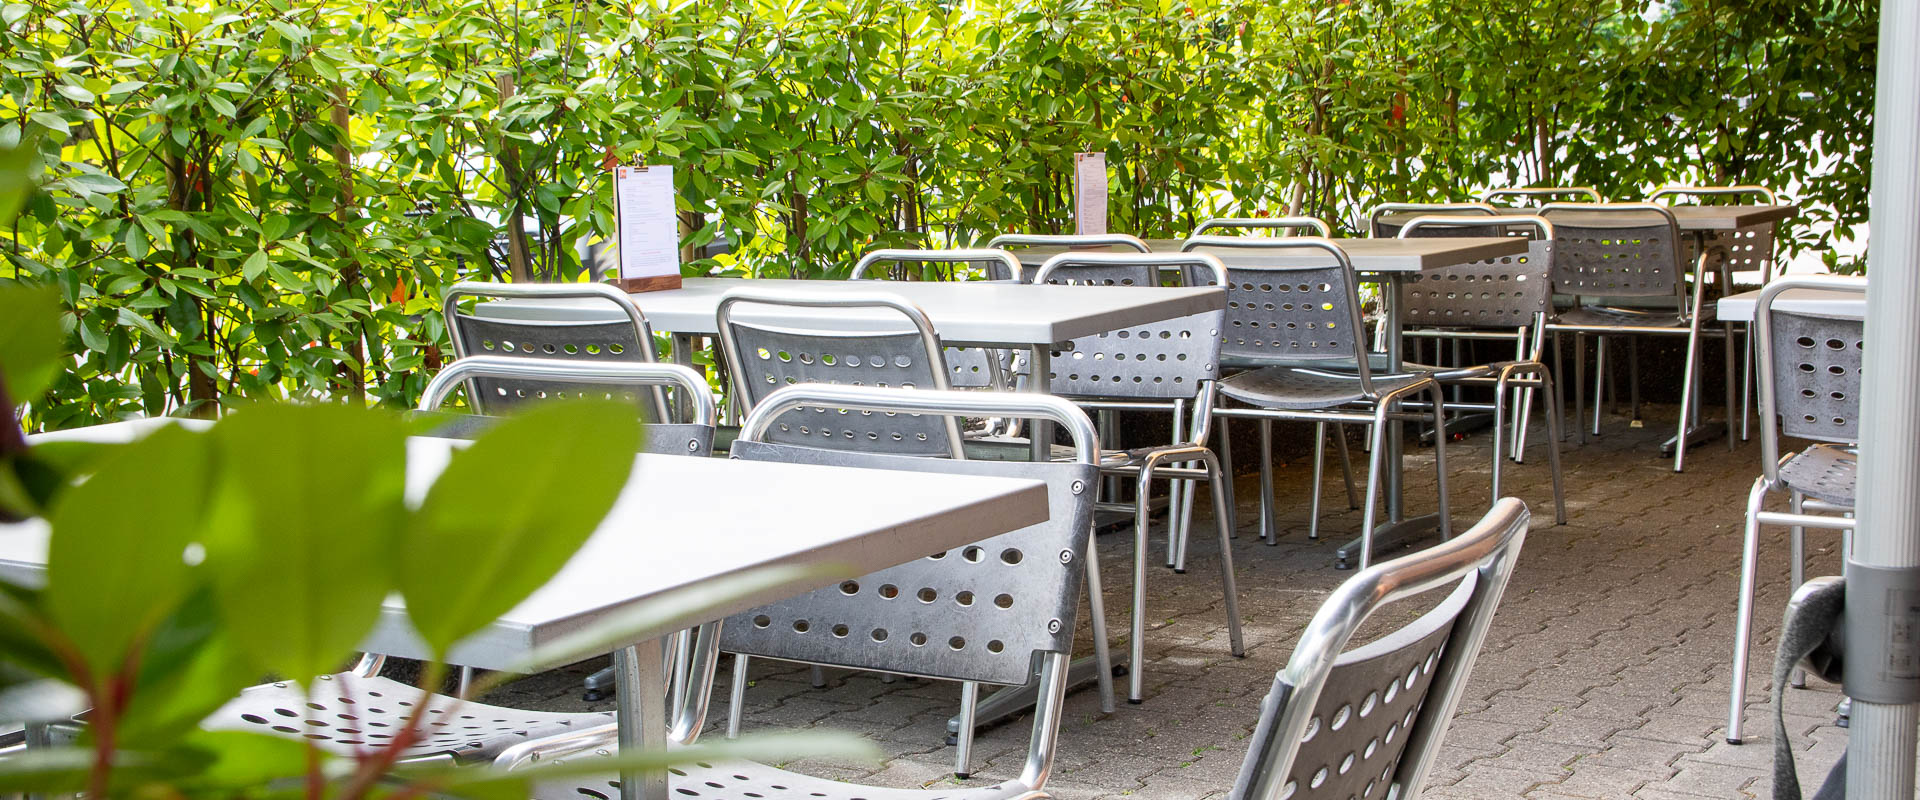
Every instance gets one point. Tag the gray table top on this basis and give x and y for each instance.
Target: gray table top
(1840, 305)
(680, 524)
(1368, 255)
(963, 312)
(1690, 218)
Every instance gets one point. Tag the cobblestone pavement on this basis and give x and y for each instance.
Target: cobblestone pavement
(1605, 674)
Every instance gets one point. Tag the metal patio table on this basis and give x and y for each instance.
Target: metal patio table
(769, 513)
(1839, 305)
(963, 313)
(1382, 261)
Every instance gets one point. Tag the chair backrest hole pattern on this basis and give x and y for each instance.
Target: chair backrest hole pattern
(1360, 728)
(1816, 375)
(558, 341)
(1504, 292)
(1641, 261)
(978, 613)
(777, 357)
(1296, 312)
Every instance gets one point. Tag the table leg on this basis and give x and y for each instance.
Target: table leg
(1398, 529)
(1041, 430)
(640, 712)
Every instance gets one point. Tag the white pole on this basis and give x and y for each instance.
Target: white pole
(1883, 657)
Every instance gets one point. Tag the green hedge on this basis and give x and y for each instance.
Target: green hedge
(264, 200)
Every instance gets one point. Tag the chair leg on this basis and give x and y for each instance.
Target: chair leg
(1223, 521)
(1553, 447)
(1599, 379)
(1743, 621)
(1375, 464)
(963, 740)
(817, 675)
(1346, 467)
(1319, 467)
(1499, 431)
(1580, 384)
(1689, 403)
(1727, 350)
(1440, 460)
(1226, 457)
(1137, 641)
(1180, 554)
(736, 695)
(1797, 557)
(1268, 530)
(1633, 378)
(1746, 382)
(1097, 609)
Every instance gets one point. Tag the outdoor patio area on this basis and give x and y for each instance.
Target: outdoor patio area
(1604, 676)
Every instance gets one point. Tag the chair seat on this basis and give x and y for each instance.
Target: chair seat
(1019, 448)
(1611, 317)
(1295, 388)
(346, 713)
(1824, 472)
(1230, 364)
(746, 780)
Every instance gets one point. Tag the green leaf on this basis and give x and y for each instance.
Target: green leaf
(509, 511)
(75, 93)
(30, 341)
(256, 265)
(118, 559)
(311, 538)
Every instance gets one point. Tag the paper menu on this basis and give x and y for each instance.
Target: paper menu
(649, 238)
(1089, 193)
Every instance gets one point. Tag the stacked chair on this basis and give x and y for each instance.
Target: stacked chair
(1303, 319)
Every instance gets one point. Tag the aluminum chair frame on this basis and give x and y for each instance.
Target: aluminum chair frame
(596, 341)
(1008, 266)
(1048, 663)
(1816, 403)
(1519, 377)
(824, 329)
(1318, 226)
(1688, 315)
(1008, 241)
(1369, 405)
(1766, 271)
(1158, 357)
(1311, 714)
(1376, 230)
(1530, 192)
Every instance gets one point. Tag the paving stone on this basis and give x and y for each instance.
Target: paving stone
(1604, 675)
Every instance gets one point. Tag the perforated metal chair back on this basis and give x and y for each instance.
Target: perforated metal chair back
(1616, 249)
(626, 338)
(1505, 292)
(1305, 306)
(692, 435)
(999, 265)
(773, 341)
(1382, 228)
(1748, 249)
(1289, 225)
(1809, 366)
(978, 613)
(1367, 722)
(1165, 360)
(1534, 194)
(1009, 241)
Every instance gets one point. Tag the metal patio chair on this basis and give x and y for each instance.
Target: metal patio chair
(1380, 228)
(770, 342)
(1502, 299)
(358, 710)
(1288, 224)
(1368, 722)
(1534, 193)
(968, 367)
(627, 339)
(1163, 366)
(1624, 271)
(1748, 249)
(1304, 317)
(999, 611)
(1009, 241)
(1810, 389)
